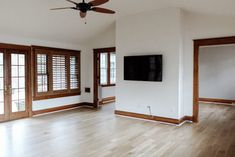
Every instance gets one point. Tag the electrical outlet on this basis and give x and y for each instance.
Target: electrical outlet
(87, 89)
(149, 110)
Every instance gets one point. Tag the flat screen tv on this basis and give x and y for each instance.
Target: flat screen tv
(143, 68)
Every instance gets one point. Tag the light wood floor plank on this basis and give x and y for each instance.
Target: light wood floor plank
(91, 133)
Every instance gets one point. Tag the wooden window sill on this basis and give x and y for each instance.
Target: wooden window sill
(43, 97)
(109, 85)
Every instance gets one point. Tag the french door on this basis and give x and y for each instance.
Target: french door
(14, 86)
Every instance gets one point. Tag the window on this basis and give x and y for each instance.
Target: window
(107, 67)
(112, 68)
(74, 72)
(57, 73)
(59, 70)
(42, 73)
(104, 68)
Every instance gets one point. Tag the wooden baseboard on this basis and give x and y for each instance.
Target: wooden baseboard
(186, 118)
(153, 118)
(60, 108)
(216, 100)
(107, 100)
(87, 104)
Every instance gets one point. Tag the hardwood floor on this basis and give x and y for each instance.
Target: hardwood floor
(90, 133)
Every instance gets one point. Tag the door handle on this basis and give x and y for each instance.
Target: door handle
(8, 89)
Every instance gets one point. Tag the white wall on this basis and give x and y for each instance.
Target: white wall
(155, 32)
(86, 72)
(50, 103)
(170, 32)
(217, 72)
(108, 91)
(197, 26)
(103, 40)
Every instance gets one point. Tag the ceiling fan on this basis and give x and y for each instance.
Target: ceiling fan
(84, 7)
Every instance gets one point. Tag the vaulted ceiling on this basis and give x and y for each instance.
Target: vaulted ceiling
(33, 18)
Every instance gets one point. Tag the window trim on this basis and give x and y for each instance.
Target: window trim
(108, 51)
(50, 52)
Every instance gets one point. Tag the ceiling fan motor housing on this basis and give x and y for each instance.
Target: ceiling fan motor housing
(84, 7)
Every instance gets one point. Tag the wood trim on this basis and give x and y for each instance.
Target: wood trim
(153, 118)
(195, 83)
(32, 81)
(85, 104)
(186, 118)
(95, 79)
(108, 100)
(215, 41)
(108, 68)
(15, 47)
(59, 95)
(197, 44)
(54, 49)
(110, 85)
(105, 50)
(29, 87)
(61, 108)
(225, 101)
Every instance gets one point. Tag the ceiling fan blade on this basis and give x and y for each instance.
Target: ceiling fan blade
(72, 2)
(63, 8)
(103, 10)
(82, 14)
(97, 2)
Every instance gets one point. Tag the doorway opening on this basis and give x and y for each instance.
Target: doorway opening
(104, 76)
(197, 45)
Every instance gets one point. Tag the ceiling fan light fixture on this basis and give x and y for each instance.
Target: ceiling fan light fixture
(82, 14)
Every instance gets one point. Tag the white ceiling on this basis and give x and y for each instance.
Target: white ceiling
(33, 19)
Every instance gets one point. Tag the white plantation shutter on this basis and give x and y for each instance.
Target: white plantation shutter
(59, 71)
(74, 72)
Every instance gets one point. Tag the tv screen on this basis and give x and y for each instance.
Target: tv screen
(143, 68)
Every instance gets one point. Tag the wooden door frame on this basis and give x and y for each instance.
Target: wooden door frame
(27, 50)
(96, 53)
(197, 44)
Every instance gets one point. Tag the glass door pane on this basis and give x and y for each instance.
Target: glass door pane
(103, 68)
(18, 82)
(1, 84)
(112, 68)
